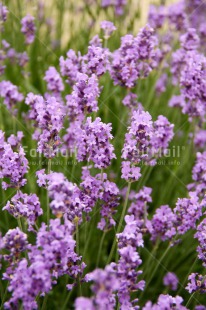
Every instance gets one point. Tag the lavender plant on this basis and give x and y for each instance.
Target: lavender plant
(102, 155)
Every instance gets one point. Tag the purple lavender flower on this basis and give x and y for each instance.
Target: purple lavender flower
(56, 247)
(27, 282)
(3, 12)
(188, 211)
(135, 58)
(197, 283)
(129, 172)
(138, 137)
(71, 66)
(94, 143)
(24, 205)
(162, 224)
(199, 175)
(130, 101)
(171, 280)
(15, 241)
(83, 303)
(109, 197)
(65, 197)
(139, 207)
(161, 83)
(177, 16)
(131, 235)
(96, 61)
(105, 283)
(201, 237)
(117, 4)
(108, 28)
(54, 81)
(166, 302)
(163, 133)
(52, 256)
(157, 15)
(49, 119)
(13, 166)
(83, 99)
(28, 28)
(190, 40)
(11, 95)
(100, 189)
(200, 139)
(193, 80)
(128, 273)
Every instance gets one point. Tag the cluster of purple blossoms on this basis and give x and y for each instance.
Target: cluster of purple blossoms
(15, 242)
(177, 17)
(118, 5)
(48, 116)
(200, 139)
(156, 17)
(135, 58)
(137, 140)
(11, 95)
(26, 283)
(13, 164)
(128, 274)
(162, 83)
(166, 302)
(163, 133)
(201, 237)
(108, 28)
(52, 256)
(162, 224)
(130, 101)
(145, 140)
(96, 61)
(71, 137)
(3, 12)
(103, 288)
(171, 281)
(131, 235)
(84, 96)
(190, 40)
(54, 81)
(120, 278)
(24, 205)
(129, 261)
(193, 81)
(199, 175)
(65, 197)
(94, 143)
(28, 28)
(139, 206)
(100, 189)
(197, 283)
(9, 53)
(109, 198)
(71, 66)
(188, 211)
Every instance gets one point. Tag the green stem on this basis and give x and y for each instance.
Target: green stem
(19, 223)
(156, 267)
(100, 248)
(76, 221)
(44, 303)
(4, 297)
(120, 223)
(66, 300)
(48, 206)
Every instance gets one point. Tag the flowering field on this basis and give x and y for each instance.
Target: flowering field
(103, 155)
